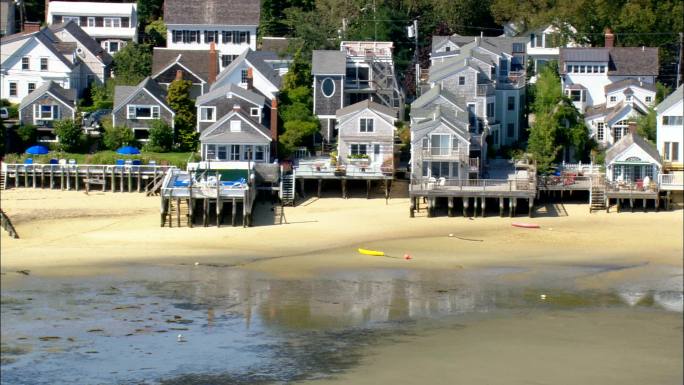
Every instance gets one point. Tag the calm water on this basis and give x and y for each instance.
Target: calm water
(241, 327)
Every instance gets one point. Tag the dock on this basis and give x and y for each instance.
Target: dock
(321, 170)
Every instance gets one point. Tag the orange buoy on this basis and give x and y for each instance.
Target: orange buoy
(407, 256)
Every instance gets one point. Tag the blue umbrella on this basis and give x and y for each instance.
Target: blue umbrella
(37, 150)
(128, 150)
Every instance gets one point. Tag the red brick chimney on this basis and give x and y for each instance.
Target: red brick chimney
(250, 78)
(609, 37)
(274, 128)
(179, 75)
(47, 6)
(31, 26)
(632, 127)
(213, 64)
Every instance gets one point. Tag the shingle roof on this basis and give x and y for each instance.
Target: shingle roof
(274, 44)
(625, 83)
(622, 61)
(60, 51)
(366, 104)
(328, 62)
(66, 96)
(212, 12)
(123, 93)
(219, 132)
(435, 92)
(419, 130)
(625, 142)
(84, 39)
(258, 60)
(197, 61)
(585, 54)
(673, 98)
(221, 92)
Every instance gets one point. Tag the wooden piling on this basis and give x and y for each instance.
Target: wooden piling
(68, 178)
(501, 207)
(344, 188)
(42, 176)
(450, 206)
(320, 186)
(121, 180)
(113, 179)
(368, 188)
(484, 206)
(466, 202)
(139, 177)
(530, 208)
(76, 183)
(412, 208)
(233, 213)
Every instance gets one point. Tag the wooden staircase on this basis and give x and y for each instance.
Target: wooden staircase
(287, 189)
(597, 194)
(178, 213)
(2, 180)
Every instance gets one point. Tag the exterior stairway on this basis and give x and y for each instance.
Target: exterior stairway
(178, 213)
(2, 180)
(287, 189)
(597, 194)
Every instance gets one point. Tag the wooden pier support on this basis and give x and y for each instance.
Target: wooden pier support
(344, 188)
(121, 180)
(178, 212)
(301, 187)
(501, 207)
(530, 207)
(139, 178)
(113, 179)
(512, 203)
(368, 188)
(631, 204)
(42, 176)
(320, 186)
(484, 206)
(387, 190)
(644, 202)
(52, 177)
(431, 207)
(68, 179)
(205, 212)
(233, 213)
(61, 180)
(450, 206)
(412, 208)
(465, 206)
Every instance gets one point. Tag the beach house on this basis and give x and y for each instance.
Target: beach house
(112, 25)
(670, 138)
(138, 106)
(45, 105)
(358, 71)
(366, 135)
(197, 66)
(610, 85)
(632, 159)
(96, 63)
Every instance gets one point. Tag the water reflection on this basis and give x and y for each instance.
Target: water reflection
(238, 323)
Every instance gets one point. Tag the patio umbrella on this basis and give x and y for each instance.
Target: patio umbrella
(37, 150)
(128, 150)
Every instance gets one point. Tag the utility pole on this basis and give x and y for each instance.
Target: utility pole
(417, 55)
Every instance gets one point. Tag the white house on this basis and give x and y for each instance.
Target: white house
(670, 122)
(95, 61)
(230, 24)
(236, 138)
(544, 45)
(29, 60)
(267, 71)
(631, 159)
(366, 133)
(112, 25)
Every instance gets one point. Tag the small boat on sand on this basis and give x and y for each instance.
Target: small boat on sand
(371, 252)
(525, 225)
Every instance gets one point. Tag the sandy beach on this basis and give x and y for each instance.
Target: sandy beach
(69, 232)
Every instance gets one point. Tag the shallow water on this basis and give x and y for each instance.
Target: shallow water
(241, 327)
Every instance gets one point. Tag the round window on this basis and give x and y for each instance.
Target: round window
(328, 87)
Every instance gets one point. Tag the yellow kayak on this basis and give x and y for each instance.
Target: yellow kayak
(371, 252)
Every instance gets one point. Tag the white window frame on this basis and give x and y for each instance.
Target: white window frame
(254, 111)
(131, 112)
(47, 64)
(15, 91)
(234, 152)
(76, 19)
(334, 87)
(613, 98)
(364, 127)
(648, 99)
(91, 22)
(28, 87)
(244, 76)
(355, 149)
(600, 131)
(113, 21)
(28, 63)
(38, 112)
(201, 114)
(236, 125)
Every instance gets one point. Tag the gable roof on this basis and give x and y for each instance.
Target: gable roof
(628, 140)
(84, 39)
(434, 93)
(45, 37)
(622, 61)
(219, 132)
(356, 107)
(212, 12)
(123, 94)
(66, 96)
(459, 127)
(671, 99)
(195, 61)
(221, 92)
(258, 61)
(328, 62)
(92, 8)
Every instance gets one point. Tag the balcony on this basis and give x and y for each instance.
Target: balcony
(444, 153)
(485, 90)
(673, 181)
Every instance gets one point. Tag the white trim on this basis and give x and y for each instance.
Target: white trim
(134, 94)
(230, 115)
(136, 106)
(180, 64)
(199, 114)
(334, 88)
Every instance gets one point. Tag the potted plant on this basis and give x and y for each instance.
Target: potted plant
(340, 171)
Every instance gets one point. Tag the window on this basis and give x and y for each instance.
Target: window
(602, 69)
(211, 36)
(112, 22)
(259, 153)
(503, 67)
(490, 110)
(143, 112)
(328, 87)
(366, 125)
(666, 152)
(112, 46)
(235, 125)
(518, 47)
(649, 99)
(510, 130)
(600, 131)
(234, 152)
(43, 64)
(25, 63)
(582, 69)
(439, 144)
(447, 49)
(185, 36)
(244, 37)
(619, 130)
(533, 40)
(222, 153)
(439, 169)
(254, 111)
(227, 36)
(461, 80)
(359, 149)
(613, 98)
(629, 98)
(45, 112)
(12, 89)
(376, 149)
(211, 151)
(91, 22)
(569, 68)
(511, 103)
(177, 36)
(575, 95)
(244, 76)
(207, 114)
(31, 87)
(75, 19)
(596, 69)
(675, 151)
(672, 120)
(671, 151)
(226, 60)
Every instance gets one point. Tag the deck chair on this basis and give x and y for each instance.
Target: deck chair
(54, 161)
(28, 161)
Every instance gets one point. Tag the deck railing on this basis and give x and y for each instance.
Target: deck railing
(671, 181)
(437, 184)
(445, 153)
(614, 186)
(568, 181)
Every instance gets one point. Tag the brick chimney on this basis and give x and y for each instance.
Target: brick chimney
(213, 64)
(250, 78)
(274, 127)
(47, 7)
(609, 37)
(236, 107)
(31, 26)
(179, 75)
(632, 127)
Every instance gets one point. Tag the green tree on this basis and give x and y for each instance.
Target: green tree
(28, 134)
(541, 143)
(646, 125)
(115, 137)
(156, 33)
(149, 10)
(70, 135)
(161, 137)
(102, 95)
(178, 98)
(133, 63)
(3, 135)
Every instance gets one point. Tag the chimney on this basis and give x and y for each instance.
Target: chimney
(250, 78)
(47, 7)
(31, 26)
(236, 107)
(632, 127)
(609, 37)
(213, 64)
(179, 75)
(274, 122)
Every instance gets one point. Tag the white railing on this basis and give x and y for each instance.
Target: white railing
(444, 153)
(580, 167)
(472, 185)
(674, 181)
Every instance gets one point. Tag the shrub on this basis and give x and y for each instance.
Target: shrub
(28, 134)
(70, 135)
(161, 137)
(115, 137)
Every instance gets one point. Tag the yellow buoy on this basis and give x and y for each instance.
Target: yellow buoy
(371, 252)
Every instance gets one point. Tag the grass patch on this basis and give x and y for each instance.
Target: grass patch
(178, 159)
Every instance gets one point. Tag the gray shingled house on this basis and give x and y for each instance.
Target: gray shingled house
(236, 137)
(137, 106)
(45, 105)
(222, 100)
(196, 66)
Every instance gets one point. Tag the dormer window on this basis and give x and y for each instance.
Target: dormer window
(649, 99)
(613, 98)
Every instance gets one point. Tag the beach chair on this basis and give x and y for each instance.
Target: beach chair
(54, 161)
(28, 161)
(120, 163)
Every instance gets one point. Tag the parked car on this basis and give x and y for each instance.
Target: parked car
(93, 119)
(4, 114)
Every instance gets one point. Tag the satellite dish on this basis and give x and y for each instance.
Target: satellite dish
(80, 52)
